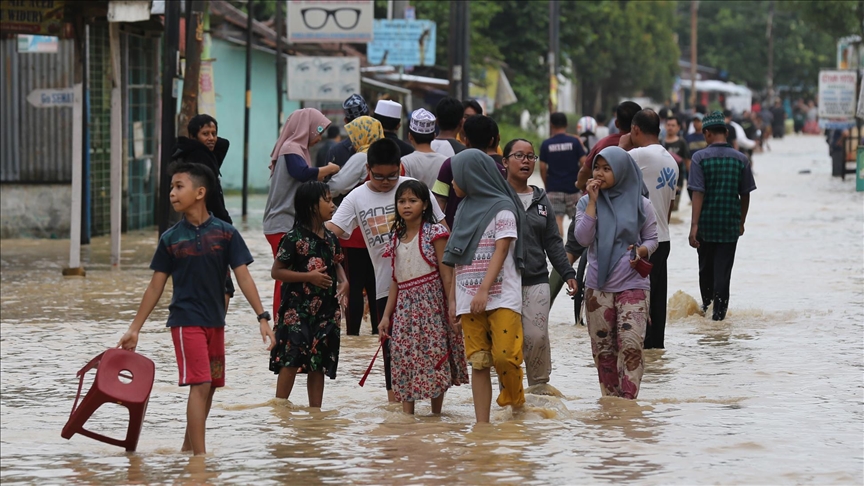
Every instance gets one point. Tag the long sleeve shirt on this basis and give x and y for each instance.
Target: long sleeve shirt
(621, 277)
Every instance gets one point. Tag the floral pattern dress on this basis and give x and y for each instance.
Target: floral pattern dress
(307, 328)
(428, 355)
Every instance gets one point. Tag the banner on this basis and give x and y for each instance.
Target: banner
(206, 90)
(403, 43)
(323, 78)
(43, 17)
(837, 94)
(330, 21)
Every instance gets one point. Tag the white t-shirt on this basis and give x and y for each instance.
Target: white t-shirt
(423, 166)
(443, 147)
(506, 291)
(352, 174)
(660, 174)
(526, 199)
(374, 212)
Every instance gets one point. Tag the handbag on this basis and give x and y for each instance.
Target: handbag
(643, 267)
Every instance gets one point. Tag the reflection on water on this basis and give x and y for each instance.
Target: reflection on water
(773, 394)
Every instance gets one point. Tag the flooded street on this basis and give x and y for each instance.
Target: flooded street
(773, 394)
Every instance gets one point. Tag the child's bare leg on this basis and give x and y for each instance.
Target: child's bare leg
(315, 388)
(437, 403)
(391, 397)
(187, 445)
(408, 407)
(196, 417)
(481, 388)
(285, 382)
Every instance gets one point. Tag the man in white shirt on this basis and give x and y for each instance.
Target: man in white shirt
(372, 208)
(424, 163)
(660, 174)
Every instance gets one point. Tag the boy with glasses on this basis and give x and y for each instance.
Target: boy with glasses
(372, 208)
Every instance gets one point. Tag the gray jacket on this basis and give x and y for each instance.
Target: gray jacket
(541, 238)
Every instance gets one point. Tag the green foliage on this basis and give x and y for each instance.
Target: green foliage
(732, 38)
(509, 132)
(834, 18)
(482, 11)
(622, 48)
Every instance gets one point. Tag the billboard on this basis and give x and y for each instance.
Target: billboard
(27, 17)
(403, 43)
(837, 94)
(323, 78)
(330, 21)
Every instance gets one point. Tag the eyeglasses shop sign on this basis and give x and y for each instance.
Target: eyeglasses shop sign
(330, 21)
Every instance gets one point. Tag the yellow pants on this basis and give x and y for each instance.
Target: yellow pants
(495, 339)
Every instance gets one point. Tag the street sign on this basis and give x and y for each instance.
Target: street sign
(837, 94)
(330, 21)
(403, 43)
(49, 98)
(44, 44)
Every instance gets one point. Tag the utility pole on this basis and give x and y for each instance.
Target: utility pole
(454, 51)
(170, 48)
(554, 10)
(280, 29)
(770, 35)
(694, 39)
(466, 49)
(191, 75)
(248, 106)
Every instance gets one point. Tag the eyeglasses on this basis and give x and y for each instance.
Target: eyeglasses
(519, 156)
(379, 177)
(315, 18)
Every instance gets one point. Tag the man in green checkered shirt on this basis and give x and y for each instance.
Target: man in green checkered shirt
(721, 181)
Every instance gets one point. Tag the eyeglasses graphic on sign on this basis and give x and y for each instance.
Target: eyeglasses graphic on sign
(315, 18)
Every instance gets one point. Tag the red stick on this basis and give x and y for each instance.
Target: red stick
(369, 369)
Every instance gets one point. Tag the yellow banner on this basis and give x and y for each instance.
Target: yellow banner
(44, 17)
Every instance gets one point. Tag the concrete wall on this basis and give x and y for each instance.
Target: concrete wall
(35, 210)
(229, 78)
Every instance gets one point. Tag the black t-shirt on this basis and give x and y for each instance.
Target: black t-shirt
(731, 134)
(678, 147)
(404, 147)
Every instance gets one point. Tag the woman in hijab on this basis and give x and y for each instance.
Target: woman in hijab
(486, 249)
(290, 167)
(362, 131)
(617, 225)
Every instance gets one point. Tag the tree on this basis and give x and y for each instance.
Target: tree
(832, 17)
(621, 49)
(732, 39)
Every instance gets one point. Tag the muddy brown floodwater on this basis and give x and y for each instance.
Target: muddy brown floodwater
(771, 395)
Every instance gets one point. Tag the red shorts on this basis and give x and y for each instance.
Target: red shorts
(200, 355)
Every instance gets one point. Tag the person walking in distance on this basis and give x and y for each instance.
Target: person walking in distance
(721, 180)
(561, 156)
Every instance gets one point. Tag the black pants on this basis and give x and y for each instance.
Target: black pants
(659, 288)
(579, 297)
(388, 380)
(361, 275)
(715, 271)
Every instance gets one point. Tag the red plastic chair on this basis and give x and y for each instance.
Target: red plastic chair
(107, 388)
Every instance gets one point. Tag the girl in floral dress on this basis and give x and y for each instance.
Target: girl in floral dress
(428, 354)
(308, 264)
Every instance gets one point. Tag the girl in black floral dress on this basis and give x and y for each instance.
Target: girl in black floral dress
(308, 263)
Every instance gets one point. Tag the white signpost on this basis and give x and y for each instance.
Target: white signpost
(49, 98)
(837, 94)
(330, 21)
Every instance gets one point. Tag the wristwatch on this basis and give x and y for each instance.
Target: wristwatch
(264, 315)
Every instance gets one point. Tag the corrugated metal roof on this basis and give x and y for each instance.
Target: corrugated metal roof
(36, 143)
